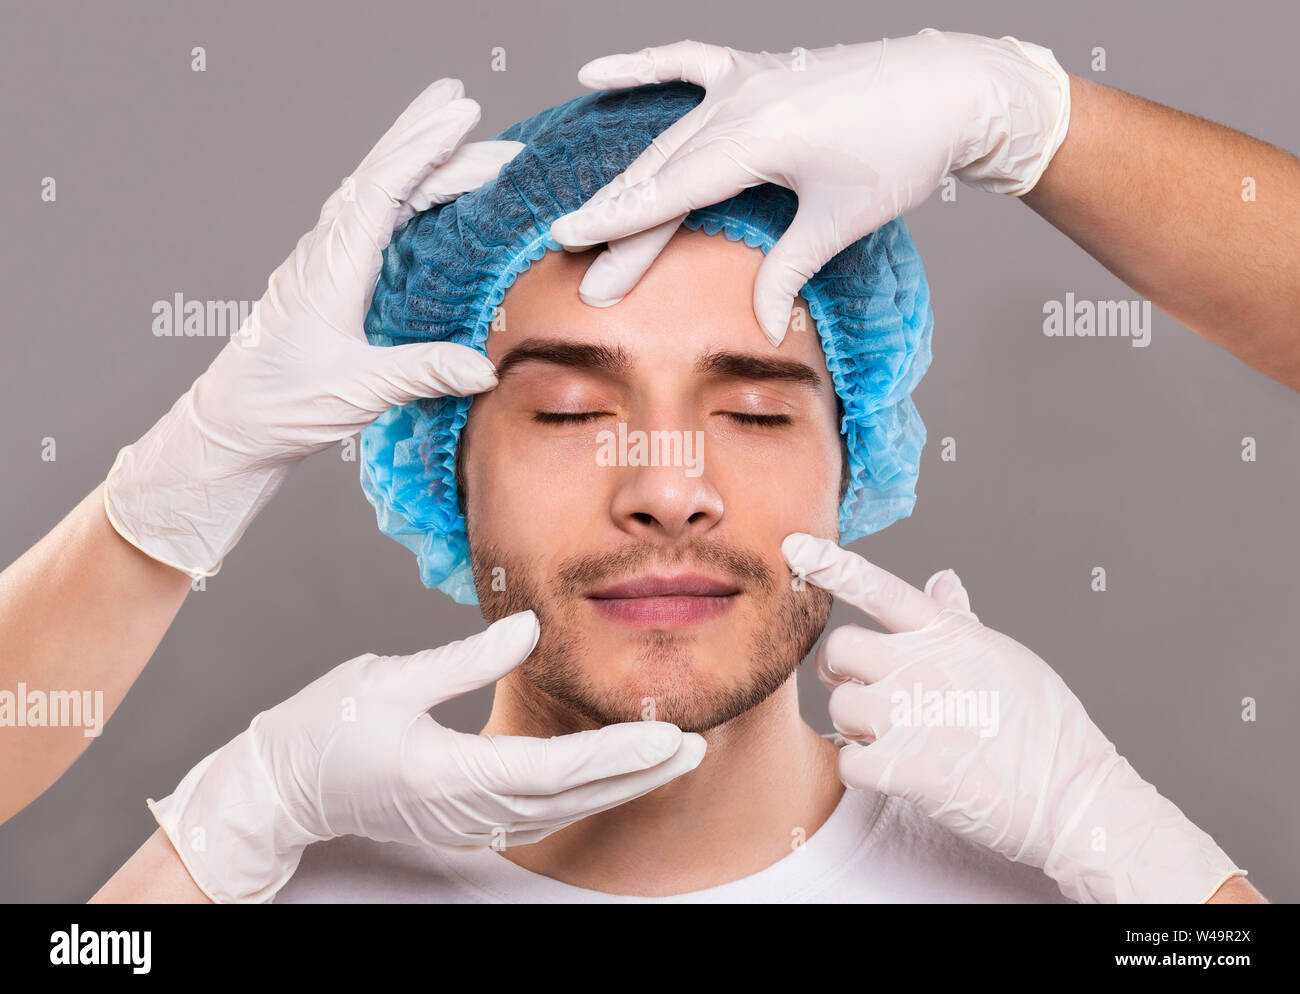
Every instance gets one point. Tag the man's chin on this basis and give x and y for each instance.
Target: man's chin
(697, 669)
(658, 676)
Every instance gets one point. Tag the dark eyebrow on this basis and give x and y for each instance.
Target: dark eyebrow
(600, 358)
(746, 366)
(615, 362)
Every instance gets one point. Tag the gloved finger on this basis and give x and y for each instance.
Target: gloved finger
(346, 248)
(819, 232)
(852, 652)
(380, 190)
(694, 61)
(661, 148)
(526, 766)
(441, 101)
(894, 603)
(423, 110)
(653, 157)
(592, 798)
(398, 374)
(860, 712)
(830, 679)
(799, 253)
(436, 675)
(468, 168)
(612, 274)
(865, 767)
(947, 589)
(704, 176)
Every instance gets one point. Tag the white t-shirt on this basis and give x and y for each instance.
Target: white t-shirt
(872, 849)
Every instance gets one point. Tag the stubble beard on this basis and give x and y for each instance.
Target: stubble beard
(676, 685)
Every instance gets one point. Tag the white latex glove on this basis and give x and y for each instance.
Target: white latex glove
(299, 376)
(356, 753)
(861, 133)
(1045, 788)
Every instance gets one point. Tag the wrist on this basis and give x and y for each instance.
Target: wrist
(1120, 841)
(231, 828)
(182, 499)
(1022, 118)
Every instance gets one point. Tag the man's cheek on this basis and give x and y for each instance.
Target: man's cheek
(772, 503)
(808, 500)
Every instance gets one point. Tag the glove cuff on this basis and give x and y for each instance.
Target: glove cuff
(155, 500)
(1128, 844)
(1057, 127)
(230, 828)
(1027, 115)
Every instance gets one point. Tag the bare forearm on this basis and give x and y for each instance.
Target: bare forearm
(153, 875)
(81, 611)
(1156, 196)
(1237, 890)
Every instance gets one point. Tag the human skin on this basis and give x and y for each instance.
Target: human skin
(79, 611)
(1108, 188)
(723, 821)
(1156, 196)
(1153, 194)
(561, 526)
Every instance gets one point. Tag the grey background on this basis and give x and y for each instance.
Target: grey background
(1071, 453)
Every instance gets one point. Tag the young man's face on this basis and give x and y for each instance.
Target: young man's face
(657, 586)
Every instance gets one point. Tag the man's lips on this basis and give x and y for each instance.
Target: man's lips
(683, 585)
(665, 602)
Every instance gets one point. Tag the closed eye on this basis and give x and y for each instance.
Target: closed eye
(761, 420)
(578, 417)
(565, 418)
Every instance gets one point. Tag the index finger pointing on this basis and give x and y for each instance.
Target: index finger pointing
(894, 603)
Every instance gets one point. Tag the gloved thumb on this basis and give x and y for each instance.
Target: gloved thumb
(620, 267)
(791, 262)
(438, 675)
(399, 374)
(469, 167)
(946, 588)
(818, 233)
(522, 765)
(694, 61)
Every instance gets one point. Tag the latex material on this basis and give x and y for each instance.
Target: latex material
(299, 375)
(862, 133)
(356, 753)
(1045, 788)
(446, 272)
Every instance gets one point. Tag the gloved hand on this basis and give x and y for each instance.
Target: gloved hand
(299, 376)
(860, 132)
(356, 753)
(1039, 784)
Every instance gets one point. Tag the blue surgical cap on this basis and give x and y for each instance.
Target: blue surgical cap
(448, 268)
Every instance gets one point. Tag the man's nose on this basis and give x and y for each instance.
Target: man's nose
(669, 497)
